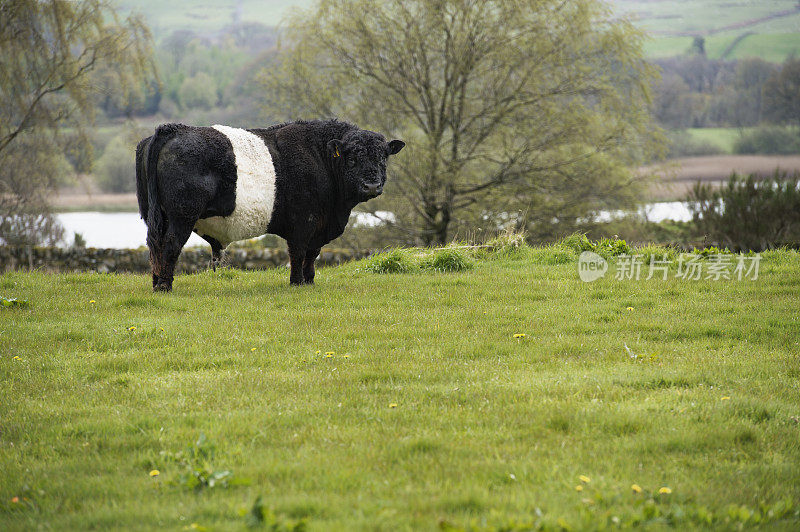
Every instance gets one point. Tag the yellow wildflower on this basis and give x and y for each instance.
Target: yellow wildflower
(578, 488)
(155, 473)
(665, 490)
(16, 357)
(329, 353)
(132, 328)
(252, 349)
(636, 488)
(392, 405)
(726, 398)
(519, 335)
(345, 356)
(318, 351)
(629, 308)
(584, 479)
(92, 301)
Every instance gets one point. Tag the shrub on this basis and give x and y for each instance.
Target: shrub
(772, 140)
(748, 214)
(393, 261)
(116, 171)
(447, 259)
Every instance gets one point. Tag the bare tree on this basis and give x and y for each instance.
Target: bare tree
(506, 105)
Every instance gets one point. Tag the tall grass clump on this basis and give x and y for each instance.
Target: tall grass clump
(606, 247)
(392, 261)
(447, 259)
(510, 244)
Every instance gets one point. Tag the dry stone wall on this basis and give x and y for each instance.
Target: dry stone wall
(138, 260)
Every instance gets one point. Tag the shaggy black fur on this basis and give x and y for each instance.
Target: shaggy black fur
(323, 170)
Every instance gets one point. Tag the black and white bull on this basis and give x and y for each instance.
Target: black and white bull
(298, 180)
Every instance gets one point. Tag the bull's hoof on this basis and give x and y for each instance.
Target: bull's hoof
(163, 286)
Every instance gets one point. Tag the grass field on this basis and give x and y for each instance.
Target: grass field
(428, 412)
(723, 137)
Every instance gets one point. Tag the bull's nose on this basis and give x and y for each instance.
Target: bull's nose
(372, 189)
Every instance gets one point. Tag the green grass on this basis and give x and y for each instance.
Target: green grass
(723, 137)
(165, 18)
(679, 384)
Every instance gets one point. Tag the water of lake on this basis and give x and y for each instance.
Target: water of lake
(126, 230)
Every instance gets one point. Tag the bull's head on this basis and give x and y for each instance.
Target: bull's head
(362, 159)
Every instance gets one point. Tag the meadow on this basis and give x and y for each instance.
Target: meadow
(507, 395)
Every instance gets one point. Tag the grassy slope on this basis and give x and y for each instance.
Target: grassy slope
(166, 17)
(774, 39)
(486, 425)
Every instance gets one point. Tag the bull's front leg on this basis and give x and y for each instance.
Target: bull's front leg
(297, 254)
(308, 265)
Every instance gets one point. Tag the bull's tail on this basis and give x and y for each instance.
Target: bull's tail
(141, 176)
(147, 178)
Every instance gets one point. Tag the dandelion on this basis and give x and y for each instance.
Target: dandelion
(584, 479)
(726, 398)
(578, 488)
(155, 473)
(519, 335)
(665, 490)
(629, 308)
(392, 405)
(132, 328)
(636, 488)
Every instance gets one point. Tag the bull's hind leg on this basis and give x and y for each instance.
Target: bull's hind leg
(175, 237)
(308, 265)
(155, 242)
(216, 251)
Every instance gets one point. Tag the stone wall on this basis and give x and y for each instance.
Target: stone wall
(138, 260)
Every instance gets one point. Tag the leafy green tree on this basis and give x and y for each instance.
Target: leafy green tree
(782, 93)
(198, 91)
(507, 106)
(751, 76)
(48, 52)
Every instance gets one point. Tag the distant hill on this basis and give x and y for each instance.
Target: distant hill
(209, 16)
(732, 29)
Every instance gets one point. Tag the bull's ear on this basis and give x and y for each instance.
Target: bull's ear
(395, 146)
(335, 148)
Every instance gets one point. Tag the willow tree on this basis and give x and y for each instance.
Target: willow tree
(49, 51)
(514, 111)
